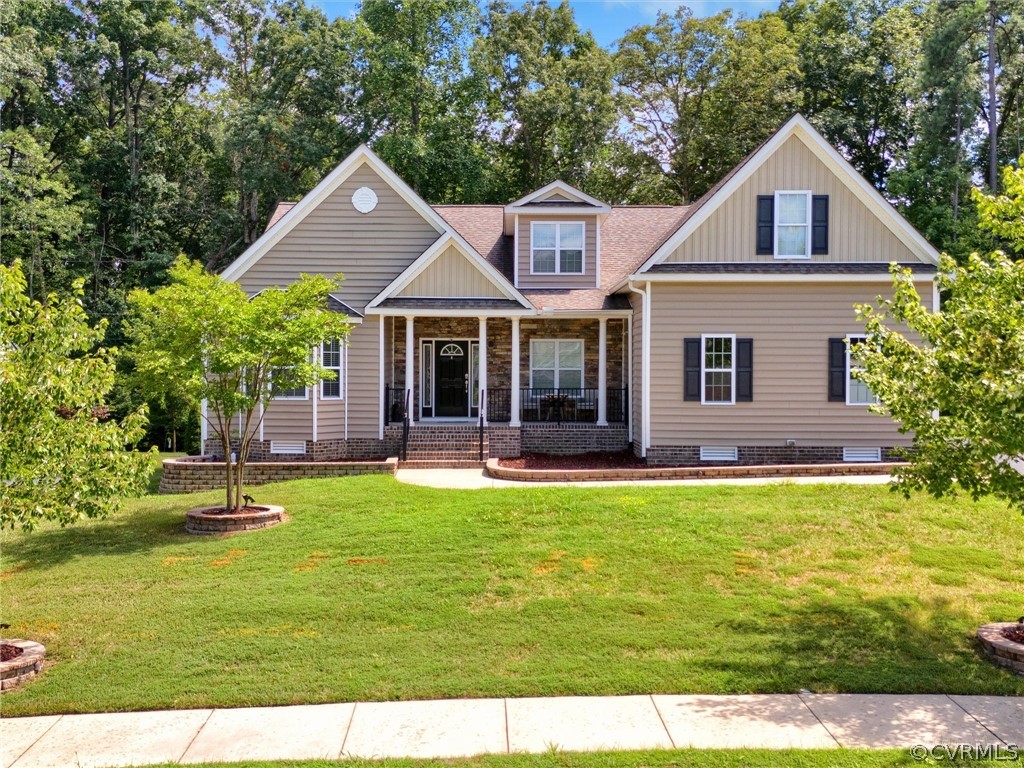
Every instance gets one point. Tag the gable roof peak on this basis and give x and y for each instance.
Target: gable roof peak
(559, 189)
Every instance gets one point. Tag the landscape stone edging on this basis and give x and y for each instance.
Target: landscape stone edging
(198, 522)
(24, 667)
(494, 469)
(191, 474)
(1000, 649)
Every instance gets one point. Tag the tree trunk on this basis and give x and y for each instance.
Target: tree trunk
(993, 124)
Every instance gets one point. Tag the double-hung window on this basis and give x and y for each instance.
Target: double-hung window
(857, 392)
(556, 364)
(295, 393)
(793, 225)
(556, 247)
(718, 370)
(330, 358)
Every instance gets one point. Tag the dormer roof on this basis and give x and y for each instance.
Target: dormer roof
(555, 199)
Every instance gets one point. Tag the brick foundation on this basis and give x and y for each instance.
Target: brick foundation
(191, 474)
(353, 449)
(751, 455)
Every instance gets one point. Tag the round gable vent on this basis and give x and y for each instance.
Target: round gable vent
(364, 199)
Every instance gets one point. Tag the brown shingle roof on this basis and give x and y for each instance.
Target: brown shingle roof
(629, 235)
(280, 211)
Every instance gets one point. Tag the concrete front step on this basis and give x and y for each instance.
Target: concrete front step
(413, 463)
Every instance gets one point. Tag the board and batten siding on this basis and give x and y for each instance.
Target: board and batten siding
(452, 275)
(369, 249)
(588, 279)
(790, 325)
(855, 233)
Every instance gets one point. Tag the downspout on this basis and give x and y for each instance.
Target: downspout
(645, 367)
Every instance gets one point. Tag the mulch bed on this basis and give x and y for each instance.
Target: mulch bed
(595, 460)
(1016, 634)
(10, 652)
(223, 511)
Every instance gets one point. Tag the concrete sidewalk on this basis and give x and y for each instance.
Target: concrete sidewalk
(463, 727)
(478, 478)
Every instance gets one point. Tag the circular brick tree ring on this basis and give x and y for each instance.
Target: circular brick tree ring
(207, 520)
(22, 667)
(1000, 648)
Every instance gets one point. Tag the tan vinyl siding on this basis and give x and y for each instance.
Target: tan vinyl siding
(855, 233)
(588, 279)
(289, 420)
(452, 275)
(365, 388)
(370, 250)
(636, 393)
(790, 325)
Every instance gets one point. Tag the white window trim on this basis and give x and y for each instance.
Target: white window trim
(775, 224)
(703, 370)
(849, 370)
(558, 248)
(339, 370)
(558, 367)
(295, 398)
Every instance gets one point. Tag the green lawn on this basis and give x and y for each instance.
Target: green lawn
(682, 758)
(377, 590)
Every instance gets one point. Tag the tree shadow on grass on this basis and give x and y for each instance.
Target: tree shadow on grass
(132, 533)
(854, 644)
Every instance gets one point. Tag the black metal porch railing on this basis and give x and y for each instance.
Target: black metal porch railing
(394, 404)
(573, 406)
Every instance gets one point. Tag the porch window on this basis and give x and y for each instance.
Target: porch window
(330, 358)
(556, 247)
(474, 373)
(556, 364)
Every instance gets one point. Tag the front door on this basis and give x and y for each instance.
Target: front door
(452, 376)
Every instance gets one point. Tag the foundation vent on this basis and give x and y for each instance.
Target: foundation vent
(862, 454)
(285, 446)
(718, 454)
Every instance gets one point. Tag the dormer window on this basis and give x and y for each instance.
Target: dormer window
(792, 224)
(556, 247)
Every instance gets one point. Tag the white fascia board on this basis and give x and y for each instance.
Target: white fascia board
(753, 277)
(424, 312)
(362, 155)
(557, 186)
(798, 125)
(583, 314)
(432, 253)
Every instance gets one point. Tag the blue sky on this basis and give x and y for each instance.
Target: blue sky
(608, 19)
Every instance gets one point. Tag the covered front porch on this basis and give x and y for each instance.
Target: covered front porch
(525, 369)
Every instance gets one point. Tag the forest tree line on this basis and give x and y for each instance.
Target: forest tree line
(135, 130)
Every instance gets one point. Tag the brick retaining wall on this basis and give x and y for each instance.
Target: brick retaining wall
(191, 474)
(494, 469)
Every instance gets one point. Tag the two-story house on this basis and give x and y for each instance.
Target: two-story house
(710, 332)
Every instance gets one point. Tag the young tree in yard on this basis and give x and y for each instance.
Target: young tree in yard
(203, 339)
(961, 391)
(61, 457)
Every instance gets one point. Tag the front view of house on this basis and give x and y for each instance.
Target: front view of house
(722, 331)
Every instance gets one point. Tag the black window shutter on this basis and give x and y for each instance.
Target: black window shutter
(837, 370)
(744, 370)
(819, 224)
(765, 224)
(691, 369)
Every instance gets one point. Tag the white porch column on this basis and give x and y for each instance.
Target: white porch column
(602, 373)
(409, 360)
(482, 360)
(514, 391)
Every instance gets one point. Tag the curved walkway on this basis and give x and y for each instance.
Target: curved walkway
(478, 478)
(465, 727)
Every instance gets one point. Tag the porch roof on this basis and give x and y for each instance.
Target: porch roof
(445, 303)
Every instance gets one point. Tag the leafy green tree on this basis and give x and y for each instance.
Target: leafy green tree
(549, 96)
(424, 101)
(701, 93)
(200, 338)
(61, 457)
(960, 389)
